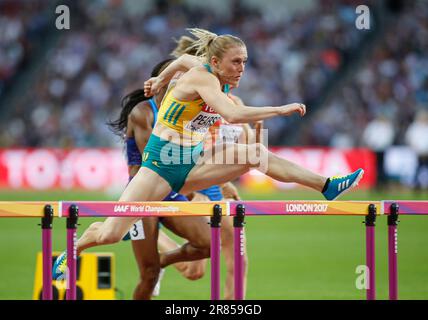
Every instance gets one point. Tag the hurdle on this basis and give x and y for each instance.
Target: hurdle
(238, 209)
(215, 249)
(393, 209)
(238, 250)
(369, 209)
(77, 209)
(33, 209)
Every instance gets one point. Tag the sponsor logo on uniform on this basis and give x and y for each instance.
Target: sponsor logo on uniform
(145, 156)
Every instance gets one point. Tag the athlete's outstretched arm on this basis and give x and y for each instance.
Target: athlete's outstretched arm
(208, 87)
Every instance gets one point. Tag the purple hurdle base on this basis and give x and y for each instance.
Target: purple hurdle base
(71, 253)
(370, 260)
(71, 265)
(47, 264)
(238, 243)
(393, 252)
(370, 251)
(392, 262)
(47, 252)
(215, 253)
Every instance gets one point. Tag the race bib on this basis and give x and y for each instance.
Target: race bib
(201, 123)
(229, 133)
(137, 231)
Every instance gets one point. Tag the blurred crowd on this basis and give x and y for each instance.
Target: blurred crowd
(20, 25)
(385, 101)
(115, 44)
(391, 87)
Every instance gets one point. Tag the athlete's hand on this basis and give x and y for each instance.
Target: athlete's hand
(293, 107)
(230, 192)
(152, 86)
(195, 269)
(200, 197)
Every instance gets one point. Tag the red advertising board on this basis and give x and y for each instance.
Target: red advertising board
(91, 169)
(97, 169)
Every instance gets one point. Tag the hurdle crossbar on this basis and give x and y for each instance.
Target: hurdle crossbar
(72, 210)
(26, 209)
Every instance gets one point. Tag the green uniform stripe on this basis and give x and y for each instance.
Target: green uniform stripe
(169, 109)
(173, 112)
(178, 115)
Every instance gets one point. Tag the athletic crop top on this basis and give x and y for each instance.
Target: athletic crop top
(190, 118)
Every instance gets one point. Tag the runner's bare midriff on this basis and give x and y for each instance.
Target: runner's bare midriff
(173, 136)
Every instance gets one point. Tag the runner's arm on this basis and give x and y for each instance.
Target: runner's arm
(142, 126)
(207, 86)
(182, 64)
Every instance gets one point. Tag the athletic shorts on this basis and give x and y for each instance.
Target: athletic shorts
(171, 161)
(213, 193)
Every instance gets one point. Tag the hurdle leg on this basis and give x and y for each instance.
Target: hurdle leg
(238, 243)
(370, 251)
(47, 252)
(393, 252)
(215, 252)
(71, 252)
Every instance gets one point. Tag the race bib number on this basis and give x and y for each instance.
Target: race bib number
(230, 133)
(137, 231)
(203, 121)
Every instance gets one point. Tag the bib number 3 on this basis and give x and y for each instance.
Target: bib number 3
(137, 231)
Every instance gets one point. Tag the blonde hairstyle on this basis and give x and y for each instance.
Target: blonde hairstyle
(184, 46)
(207, 44)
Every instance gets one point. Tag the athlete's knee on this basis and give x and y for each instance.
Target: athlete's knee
(108, 237)
(200, 239)
(206, 252)
(195, 270)
(95, 225)
(202, 249)
(204, 246)
(257, 153)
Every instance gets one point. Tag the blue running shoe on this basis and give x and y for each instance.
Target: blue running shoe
(60, 266)
(341, 184)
